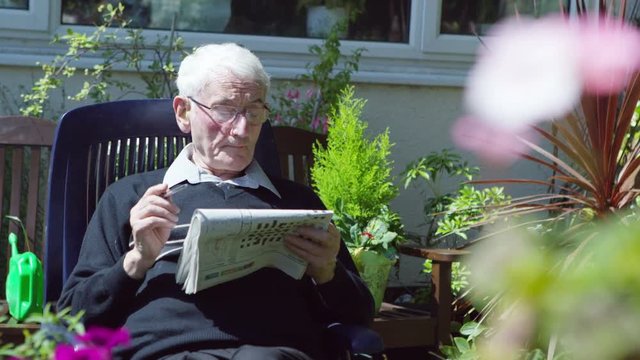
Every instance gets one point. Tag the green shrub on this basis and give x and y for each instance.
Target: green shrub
(351, 167)
(352, 175)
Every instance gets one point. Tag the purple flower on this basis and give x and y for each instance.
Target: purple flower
(69, 352)
(95, 344)
(105, 337)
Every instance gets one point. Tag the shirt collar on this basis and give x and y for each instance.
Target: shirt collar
(183, 169)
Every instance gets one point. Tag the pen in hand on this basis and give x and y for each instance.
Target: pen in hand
(174, 190)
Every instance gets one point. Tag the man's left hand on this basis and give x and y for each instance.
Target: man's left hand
(319, 248)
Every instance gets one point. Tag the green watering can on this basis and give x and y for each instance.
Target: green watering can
(25, 282)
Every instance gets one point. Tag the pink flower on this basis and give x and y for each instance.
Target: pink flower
(68, 352)
(609, 54)
(495, 145)
(315, 123)
(105, 337)
(293, 94)
(526, 74)
(95, 344)
(310, 93)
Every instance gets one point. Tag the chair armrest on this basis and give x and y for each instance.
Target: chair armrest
(441, 278)
(442, 255)
(355, 339)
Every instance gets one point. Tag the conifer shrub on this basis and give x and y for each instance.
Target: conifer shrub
(352, 175)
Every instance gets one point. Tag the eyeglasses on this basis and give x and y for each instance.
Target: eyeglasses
(221, 114)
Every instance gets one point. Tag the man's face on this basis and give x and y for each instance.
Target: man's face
(225, 149)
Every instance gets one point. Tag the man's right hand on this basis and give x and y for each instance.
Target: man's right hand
(151, 219)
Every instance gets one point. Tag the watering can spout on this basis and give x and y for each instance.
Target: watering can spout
(13, 241)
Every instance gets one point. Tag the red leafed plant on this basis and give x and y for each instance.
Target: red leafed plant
(596, 156)
(594, 163)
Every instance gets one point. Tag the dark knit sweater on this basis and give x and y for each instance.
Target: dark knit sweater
(264, 308)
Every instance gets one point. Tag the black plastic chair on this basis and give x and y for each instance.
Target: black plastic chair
(97, 144)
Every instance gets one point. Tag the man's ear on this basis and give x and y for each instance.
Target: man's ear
(181, 107)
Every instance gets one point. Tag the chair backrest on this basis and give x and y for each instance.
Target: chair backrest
(25, 143)
(295, 151)
(94, 146)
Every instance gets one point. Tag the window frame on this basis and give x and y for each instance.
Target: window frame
(435, 42)
(35, 18)
(428, 58)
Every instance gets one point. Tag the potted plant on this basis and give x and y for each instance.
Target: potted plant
(352, 176)
(322, 15)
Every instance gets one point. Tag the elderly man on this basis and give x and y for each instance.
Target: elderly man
(119, 281)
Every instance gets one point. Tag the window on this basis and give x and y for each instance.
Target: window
(24, 14)
(408, 41)
(14, 4)
(380, 21)
(475, 17)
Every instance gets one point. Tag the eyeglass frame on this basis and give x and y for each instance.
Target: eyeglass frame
(242, 112)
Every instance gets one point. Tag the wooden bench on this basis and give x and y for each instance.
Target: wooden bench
(25, 143)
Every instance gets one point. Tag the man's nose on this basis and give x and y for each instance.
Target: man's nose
(240, 125)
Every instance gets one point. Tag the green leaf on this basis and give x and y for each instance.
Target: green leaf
(462, 344)
(472, 329)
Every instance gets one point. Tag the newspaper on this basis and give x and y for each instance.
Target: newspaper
(225, 244)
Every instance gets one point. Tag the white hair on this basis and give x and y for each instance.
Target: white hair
(208, 62)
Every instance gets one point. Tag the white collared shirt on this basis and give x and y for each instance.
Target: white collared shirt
(184, 169)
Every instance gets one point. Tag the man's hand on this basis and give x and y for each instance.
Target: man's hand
(151, 219)
(319, 248)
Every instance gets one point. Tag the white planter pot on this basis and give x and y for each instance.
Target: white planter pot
(321, 19)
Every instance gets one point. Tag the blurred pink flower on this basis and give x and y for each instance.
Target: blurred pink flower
(310, 93)
(105, 337)
(609, 54)
(95, 344)
(68, 352)
(293, 94)
(325, 125)
(526, 74)
(537, 70)
(315, 123)
(495, 145)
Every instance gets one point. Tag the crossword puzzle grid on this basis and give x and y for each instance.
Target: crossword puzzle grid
(269, 232)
